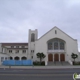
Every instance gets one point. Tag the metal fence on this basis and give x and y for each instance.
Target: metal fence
(17, 62)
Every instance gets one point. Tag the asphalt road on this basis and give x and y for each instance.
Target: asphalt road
(38, 74)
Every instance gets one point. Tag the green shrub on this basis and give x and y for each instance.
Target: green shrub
(76, 63)
(37, 63)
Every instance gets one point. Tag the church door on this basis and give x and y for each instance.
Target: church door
(56, 57)
(50, 57)
(62, 57)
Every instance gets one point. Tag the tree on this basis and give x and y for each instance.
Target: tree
(40, 56)
(74, 56)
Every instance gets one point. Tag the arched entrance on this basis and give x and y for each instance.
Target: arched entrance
(50, 57)
(11, 58)
(23, 58)
(56, 57)
(16, 58)
(62, 57)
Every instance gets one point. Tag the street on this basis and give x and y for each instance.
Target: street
(37, 74)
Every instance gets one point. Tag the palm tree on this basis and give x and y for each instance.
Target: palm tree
(74, 56)
(40, 56)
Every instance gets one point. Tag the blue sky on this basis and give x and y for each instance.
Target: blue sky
(17, 16)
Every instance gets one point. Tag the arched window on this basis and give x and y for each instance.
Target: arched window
(23, 58)
(49, 46)
(55, 45)
(61, 45)
(16, 58)
(32, 37)
(11, 58)
(55, 32)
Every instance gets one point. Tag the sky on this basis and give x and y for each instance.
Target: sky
(18, 16)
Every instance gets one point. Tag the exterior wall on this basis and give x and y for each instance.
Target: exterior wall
(3, 56)
(20, 54)
(41, 44)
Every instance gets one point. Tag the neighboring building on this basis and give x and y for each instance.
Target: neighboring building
(17, 51)
(55, 44)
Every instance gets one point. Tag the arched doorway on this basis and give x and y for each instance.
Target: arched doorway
(23, 58)
(56, 57)
(16, 58)
(50, 57)
(11, 58)
(62, 57)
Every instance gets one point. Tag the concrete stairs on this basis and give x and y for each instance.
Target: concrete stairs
(65, 63)
(57, 63)
(51, 63)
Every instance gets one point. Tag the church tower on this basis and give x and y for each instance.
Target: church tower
(33, 36)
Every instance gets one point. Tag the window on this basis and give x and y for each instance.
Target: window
(32, 37)
(24, 51)
(17, 51)
(32, 51)
(10, 51)
(55, 45)
(23, 46)
(49, 46)
(6, 58)
(32, 57)
(12, 46)
(61, 45)
(55, 32)
(2, 59)
(17, 46)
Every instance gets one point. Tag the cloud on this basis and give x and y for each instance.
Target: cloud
(17, 16)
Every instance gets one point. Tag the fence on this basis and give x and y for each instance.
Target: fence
(17, 62)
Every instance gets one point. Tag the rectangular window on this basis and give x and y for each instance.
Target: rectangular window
(10, 51)
(6, 58)
(32, 51)
(17, 46)
(12, 46)
(2, 59)
(23, 46)
(32, 57)
(17, 51)
(50, 47)
(24, 51)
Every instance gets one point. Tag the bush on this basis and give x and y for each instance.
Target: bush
(37, 63)
(76, 63)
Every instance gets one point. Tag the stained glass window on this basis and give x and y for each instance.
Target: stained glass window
(49, 45)
(56, 45)
(62, 45)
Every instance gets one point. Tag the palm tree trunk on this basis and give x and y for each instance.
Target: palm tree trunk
(40, 60)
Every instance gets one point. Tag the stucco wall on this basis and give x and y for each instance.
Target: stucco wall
(20, 54)
(3, 55)
(41, 44)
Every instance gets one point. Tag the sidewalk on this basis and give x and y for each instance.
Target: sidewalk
(41, 67)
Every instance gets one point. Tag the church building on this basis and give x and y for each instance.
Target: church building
(55, 44)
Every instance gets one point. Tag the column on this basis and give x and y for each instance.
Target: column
(59, 56)
(53, 57)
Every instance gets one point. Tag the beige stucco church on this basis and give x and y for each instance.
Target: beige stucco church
(55, 44)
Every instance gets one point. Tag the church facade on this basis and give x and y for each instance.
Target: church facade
(55, 44)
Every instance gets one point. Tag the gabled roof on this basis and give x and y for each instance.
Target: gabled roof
(58, 29)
